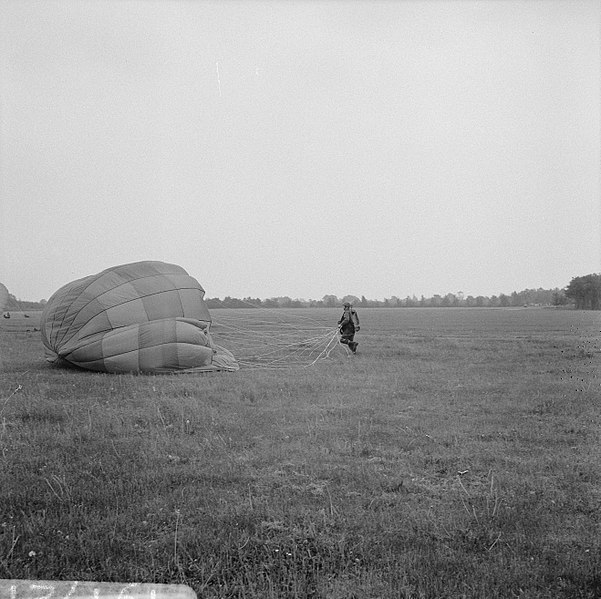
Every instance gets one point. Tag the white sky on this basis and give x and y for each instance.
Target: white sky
(302, 148)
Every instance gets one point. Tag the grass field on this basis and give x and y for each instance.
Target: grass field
(456, 455)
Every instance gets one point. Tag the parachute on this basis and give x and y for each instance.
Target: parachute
(4, 301)
(141, 317)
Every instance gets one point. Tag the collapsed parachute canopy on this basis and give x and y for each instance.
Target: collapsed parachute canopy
(140, 317)
(3, 297)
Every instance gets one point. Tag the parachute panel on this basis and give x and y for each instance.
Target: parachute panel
(118, 364)
(123, 315)
(117, 295)
(192, 307)
(116, 343)
(56, 312)
(98, 323)
(162, 305)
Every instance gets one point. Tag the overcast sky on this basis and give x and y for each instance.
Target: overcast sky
(302, 148)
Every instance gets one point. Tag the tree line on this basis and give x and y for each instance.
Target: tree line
(527, 297)
(22, 305)
(582, 293)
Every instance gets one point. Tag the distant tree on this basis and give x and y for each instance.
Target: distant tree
(353, 299)
(253, 302)
(17, 304)
(450, 299)
(585, 291)
(213, 302)
(504, 300)
(283, 302)
(233, 302)
(330, 301)
(559, 298)
(577, 291)
(594, 291)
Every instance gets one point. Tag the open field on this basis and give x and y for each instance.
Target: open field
(20, 321)
(457, 455)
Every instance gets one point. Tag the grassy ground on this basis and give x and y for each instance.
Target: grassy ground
(19, 322)
(457, 455)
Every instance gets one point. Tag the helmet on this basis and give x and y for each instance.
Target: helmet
(347, 304)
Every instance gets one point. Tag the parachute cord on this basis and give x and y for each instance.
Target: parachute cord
(323, 344)
(315, 340)
(274, 337)
(283, 361)
(8, 398)
(328, 348)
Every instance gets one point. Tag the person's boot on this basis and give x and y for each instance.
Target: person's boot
(354, 347)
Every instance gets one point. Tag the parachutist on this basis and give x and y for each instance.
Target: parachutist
(349, 325)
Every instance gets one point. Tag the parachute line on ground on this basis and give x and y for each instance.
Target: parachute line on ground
(274, 337)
